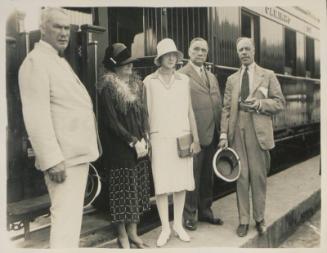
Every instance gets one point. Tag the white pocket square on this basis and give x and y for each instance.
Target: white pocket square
(264, 91)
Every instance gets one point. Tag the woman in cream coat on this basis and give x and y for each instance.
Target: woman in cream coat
(170, 116)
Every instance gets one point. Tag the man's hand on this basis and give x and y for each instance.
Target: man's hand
(252, 104)
(223, 143)
(195, 148)
(57, 173)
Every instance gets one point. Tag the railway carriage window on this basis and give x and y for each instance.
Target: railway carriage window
(126, 26)
(310, 56)
(300, 54)
(272, 51)
(317, 59)
(250, 28)
(183, 24)
(290, 52)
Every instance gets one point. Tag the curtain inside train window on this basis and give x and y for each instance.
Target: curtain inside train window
(290, 52)
(310, 56)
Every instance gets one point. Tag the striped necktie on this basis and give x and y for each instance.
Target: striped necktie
(204, 77)
(245, 85)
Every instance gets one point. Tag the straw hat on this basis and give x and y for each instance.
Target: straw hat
(117, 55)
(227, 165)
(166, 46)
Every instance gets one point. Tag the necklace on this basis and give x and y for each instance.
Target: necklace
(166, 77)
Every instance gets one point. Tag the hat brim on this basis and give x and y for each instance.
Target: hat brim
(180, 56)
(93, 187)
(127, 61)
(219, 173)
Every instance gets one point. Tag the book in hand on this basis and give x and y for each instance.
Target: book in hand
(184, 145)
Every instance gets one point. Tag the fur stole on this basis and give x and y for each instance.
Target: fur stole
(124, 95)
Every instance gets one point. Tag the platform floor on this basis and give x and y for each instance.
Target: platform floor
(286, 192)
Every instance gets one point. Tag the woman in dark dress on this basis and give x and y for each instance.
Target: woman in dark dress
(124, 137)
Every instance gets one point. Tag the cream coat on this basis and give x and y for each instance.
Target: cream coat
(266, 88)
(57, 110)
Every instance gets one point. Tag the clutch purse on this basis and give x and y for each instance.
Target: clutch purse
(184, 145)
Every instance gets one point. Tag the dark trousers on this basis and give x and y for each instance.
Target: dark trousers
(201, 198)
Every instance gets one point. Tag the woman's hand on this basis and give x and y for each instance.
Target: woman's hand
(195, 148)
(141, 148)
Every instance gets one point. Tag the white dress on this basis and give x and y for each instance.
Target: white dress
(168, 119)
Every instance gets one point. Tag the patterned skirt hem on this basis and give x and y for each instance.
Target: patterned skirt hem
(129, 193)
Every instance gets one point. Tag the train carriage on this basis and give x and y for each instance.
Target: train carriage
(286, 40)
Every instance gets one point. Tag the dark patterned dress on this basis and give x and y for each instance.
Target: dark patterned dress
(122, 120)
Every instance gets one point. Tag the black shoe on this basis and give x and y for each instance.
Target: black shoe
(212, 220)
(242, 230)
(190, 224)
(260, 226)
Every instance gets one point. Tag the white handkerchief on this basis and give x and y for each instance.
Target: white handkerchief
(264, 91)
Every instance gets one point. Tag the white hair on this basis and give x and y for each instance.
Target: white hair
(245, 38)
(47, 12)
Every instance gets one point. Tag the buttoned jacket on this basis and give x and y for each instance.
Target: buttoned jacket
(57, 110)
(206, 103)
(267, 89)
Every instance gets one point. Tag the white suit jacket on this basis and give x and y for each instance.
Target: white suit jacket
(57, 110)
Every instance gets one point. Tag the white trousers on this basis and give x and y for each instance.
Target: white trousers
(67, 206)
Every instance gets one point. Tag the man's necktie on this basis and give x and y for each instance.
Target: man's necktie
(245, 85)
(204, 77)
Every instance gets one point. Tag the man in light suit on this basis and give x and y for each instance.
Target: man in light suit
(252, 95)
(206, 103)
(60, 123)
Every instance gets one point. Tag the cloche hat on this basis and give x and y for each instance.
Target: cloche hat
(226, 164)
(117, 55)
(166, 46)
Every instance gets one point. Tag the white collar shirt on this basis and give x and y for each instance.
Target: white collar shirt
(61, 60)
(197, 68)
(49, 47)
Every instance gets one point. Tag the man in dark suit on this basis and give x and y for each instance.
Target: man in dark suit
(252, 95)
(207, 104)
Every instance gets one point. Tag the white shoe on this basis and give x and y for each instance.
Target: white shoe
(181, 233)
(163, 237)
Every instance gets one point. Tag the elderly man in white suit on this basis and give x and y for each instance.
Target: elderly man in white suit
(60, 122)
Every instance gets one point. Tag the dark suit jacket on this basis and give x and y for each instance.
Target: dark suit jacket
(268, 90)
(206, 103)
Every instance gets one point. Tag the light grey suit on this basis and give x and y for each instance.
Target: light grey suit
(251, 135)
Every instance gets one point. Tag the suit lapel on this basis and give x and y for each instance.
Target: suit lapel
(236, 86)
(194, 75)
(257, 78)
(65, 65)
